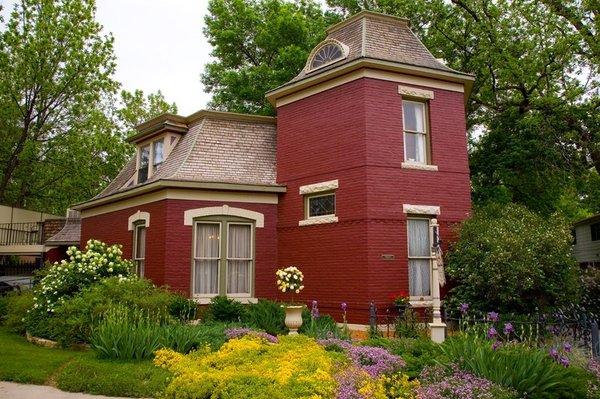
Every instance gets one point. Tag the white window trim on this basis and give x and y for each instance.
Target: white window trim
(424, 133)
(311, 57)
(137, 217)
(194, 259)
(318, 220)
(191, 214)
(421, 209)
(419, 166)
(319, 187)
(415, 92)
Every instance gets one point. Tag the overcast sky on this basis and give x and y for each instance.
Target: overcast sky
(159, 45)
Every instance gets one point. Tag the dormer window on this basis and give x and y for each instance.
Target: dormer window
(327, 53)
(144, 164)
(158, 154)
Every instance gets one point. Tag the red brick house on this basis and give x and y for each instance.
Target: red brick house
(368, 146)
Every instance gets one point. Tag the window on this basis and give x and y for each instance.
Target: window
(595, 228)
(320, 205)
(158, 155)
(139, 248)
(419, 258)
(144, 163)
(223, 258)
(415, 131)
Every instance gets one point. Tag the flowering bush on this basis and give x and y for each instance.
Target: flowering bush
(250, 367)
(402, 298)
(439, 383)
(83, 268)
(239, 332)
(290, 279)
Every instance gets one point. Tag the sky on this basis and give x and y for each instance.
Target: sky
(159, 46)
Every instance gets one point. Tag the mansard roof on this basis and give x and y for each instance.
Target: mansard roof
(373, 38)
(215, 147)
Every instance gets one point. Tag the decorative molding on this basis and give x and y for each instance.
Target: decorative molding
(421, 209)
(318, 220)
(136, 217)
(319, 187)
(191, 214)
(414, 92)
(344, 48)
(205, 300)
(419, 166)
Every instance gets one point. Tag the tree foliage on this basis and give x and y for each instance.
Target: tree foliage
(258, 45)
(61, 122)
(510, 259)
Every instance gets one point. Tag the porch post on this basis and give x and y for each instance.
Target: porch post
(437, 328)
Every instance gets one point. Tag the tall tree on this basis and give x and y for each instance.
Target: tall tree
(62, 123)
(258, 45)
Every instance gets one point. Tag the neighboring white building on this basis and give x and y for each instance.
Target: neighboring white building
(586, 247)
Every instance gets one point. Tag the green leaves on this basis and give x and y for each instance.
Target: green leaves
(259, 45)
(509, 259)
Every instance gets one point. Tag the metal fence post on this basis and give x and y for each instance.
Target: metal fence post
(373, 316)
(595, 339)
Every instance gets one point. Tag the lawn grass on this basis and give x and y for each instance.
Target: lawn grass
(76, 371)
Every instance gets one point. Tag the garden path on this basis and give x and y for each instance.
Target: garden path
(11, 390)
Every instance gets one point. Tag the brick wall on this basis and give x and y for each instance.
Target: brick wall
(169, 241)
(353, 133)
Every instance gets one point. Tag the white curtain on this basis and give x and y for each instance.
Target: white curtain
(415, 147)
(414, 116)
(207, 256)
(419, 270)
(239, 258)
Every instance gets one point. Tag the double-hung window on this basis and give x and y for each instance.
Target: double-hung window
(419, 258)
(144, 163)
(139, 248)
(414, 117)
(223, 257)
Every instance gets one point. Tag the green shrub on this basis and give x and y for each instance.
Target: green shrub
(225, 309)
(529, 371)
(409, 326)
(183, 308)
(266, 315)
(509, 259)
(73, 320)
(321, 327)
(16, 305)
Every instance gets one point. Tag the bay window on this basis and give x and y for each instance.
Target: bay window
(414, 117)
(419, 258)
(223, 257)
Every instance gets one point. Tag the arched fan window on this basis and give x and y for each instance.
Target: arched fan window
(327, 54)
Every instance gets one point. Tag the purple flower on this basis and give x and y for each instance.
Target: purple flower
(464, 308)
(567, 347)
(492, 333)
(373, 360)
(314, 312)
(496, 345)
(508, 329)
(493, 316)
(553, 353)
(344, 306)
(564, 361)
(239, 332)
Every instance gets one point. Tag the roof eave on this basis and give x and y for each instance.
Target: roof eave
(162, 184)
(364, 62)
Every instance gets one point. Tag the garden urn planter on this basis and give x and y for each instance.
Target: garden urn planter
(293, 318)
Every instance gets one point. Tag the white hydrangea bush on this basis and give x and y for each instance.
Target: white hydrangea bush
(290, 279)
(83, 268)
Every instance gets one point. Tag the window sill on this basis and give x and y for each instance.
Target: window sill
(421, 303)
(318, 220)
(419, 166)
(206, 300)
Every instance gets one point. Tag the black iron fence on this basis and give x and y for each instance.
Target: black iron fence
(21, 233)
(19, 266)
